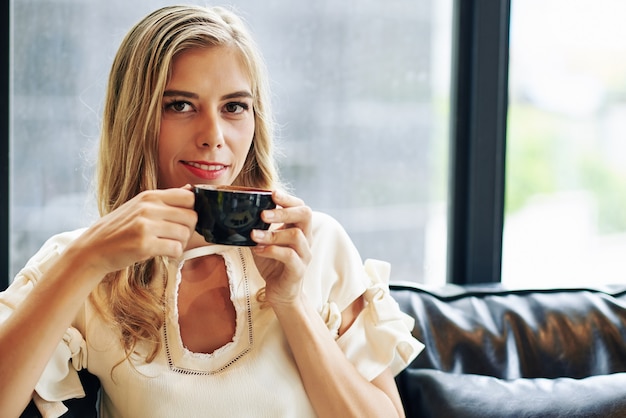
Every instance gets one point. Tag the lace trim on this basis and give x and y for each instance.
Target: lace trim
(245, 351)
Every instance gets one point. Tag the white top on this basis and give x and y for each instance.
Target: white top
(254, 375)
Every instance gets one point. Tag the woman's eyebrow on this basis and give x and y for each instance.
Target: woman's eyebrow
(171, 93)
(238, 95)
(190, 95)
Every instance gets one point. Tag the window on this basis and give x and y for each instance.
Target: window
(362, 98)
(565, 221)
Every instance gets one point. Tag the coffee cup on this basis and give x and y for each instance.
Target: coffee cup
(228, 214)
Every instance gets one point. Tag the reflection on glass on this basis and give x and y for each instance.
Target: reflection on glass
(566, 181)
(361, 96)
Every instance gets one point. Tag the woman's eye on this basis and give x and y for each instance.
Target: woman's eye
(179, 107)
(236, 107)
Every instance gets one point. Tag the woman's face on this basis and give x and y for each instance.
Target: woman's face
(208, 120)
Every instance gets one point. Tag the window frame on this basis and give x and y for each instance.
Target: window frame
(479, 97)
(478, 140)
(5, 31)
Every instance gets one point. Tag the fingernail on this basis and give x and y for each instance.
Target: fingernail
(269, 214)
(258, 234)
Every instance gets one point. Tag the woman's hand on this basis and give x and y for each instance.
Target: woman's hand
(153, 223)
(157, 222)
(283, 254)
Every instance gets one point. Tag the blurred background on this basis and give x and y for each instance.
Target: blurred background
(360, 92)
(565, 218)
(362, 96)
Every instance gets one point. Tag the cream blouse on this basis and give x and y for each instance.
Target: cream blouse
(254, 375)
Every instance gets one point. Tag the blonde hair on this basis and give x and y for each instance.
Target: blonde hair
(128, 163)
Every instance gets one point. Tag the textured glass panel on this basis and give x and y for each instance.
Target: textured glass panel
(361, 94)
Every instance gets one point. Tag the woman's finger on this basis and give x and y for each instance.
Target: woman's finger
(291, 212)
(289, 237)
(285, 199)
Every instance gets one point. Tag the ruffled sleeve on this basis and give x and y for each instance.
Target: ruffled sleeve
(59, 380)
(380, 336)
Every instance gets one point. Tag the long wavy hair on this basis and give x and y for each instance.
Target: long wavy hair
(128, 163)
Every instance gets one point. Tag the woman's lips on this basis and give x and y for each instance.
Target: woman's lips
(205, 171)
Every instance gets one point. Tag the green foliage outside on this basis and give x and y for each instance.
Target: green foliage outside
(609, 187)
(549, 153)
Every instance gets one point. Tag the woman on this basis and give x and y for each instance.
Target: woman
(293, 327)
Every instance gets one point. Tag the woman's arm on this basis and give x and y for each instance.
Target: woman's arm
(333, 384)
(30, 335)
(153, 223)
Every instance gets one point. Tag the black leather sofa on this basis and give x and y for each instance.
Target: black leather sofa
(493, 352)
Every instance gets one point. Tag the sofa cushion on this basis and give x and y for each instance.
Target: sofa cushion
(433, 393)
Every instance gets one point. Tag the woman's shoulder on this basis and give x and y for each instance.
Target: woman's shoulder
(329, 237)
(64, 238)
(325, 224)
(34, 269)
(336, 264)
(53, 247)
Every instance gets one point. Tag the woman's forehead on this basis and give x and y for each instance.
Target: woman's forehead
(215, 69)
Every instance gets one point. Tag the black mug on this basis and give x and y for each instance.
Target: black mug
(228, 214)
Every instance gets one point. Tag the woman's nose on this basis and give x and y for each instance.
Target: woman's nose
(210, 133)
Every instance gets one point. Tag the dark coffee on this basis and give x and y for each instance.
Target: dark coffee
(228, 214)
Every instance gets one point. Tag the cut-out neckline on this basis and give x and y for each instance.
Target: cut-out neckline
(182, 360)
(206, 313)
